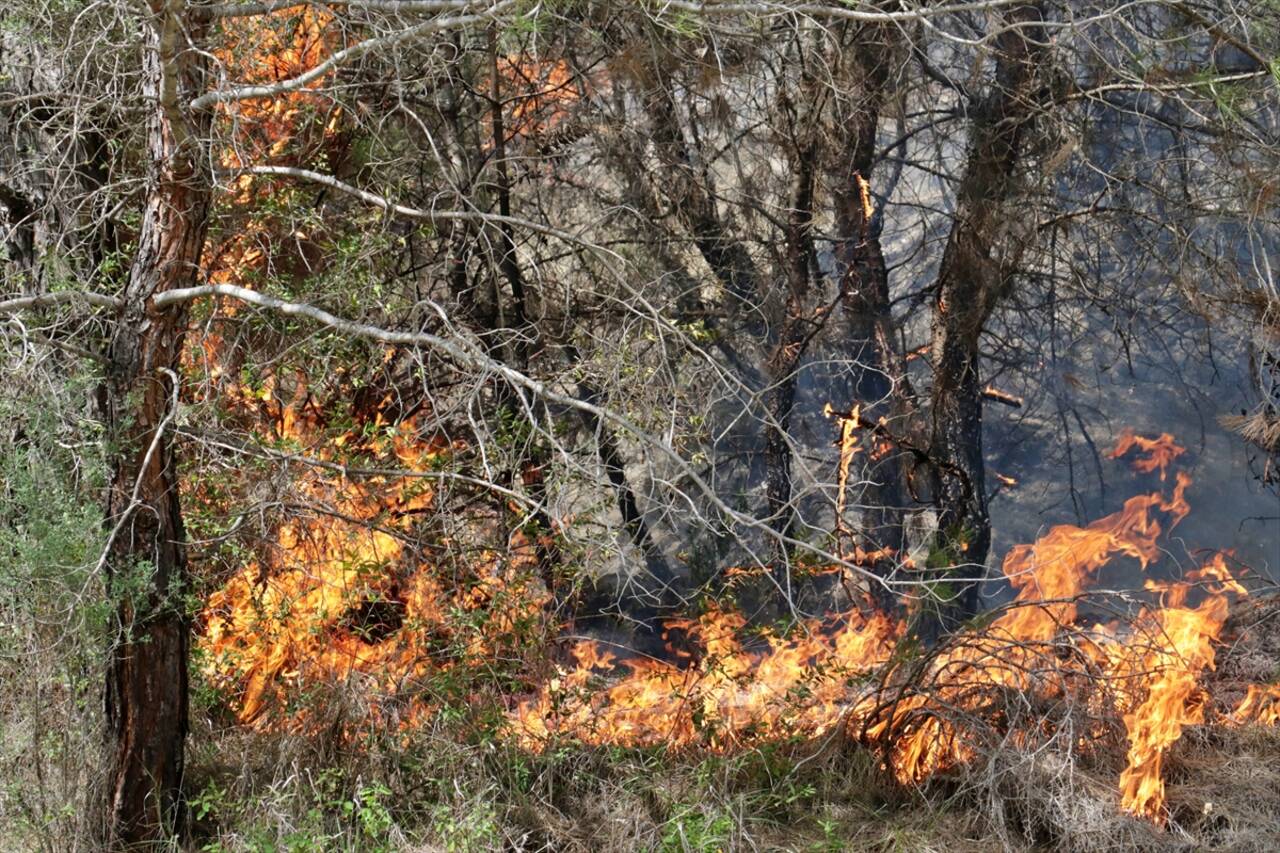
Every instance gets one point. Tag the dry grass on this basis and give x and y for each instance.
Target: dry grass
(1223, 793)
(441, 794)
(1222, 780)
(459, 787)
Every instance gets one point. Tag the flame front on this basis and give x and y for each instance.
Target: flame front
(345, 594)
(819, 680)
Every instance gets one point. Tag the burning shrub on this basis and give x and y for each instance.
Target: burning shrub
(1028, 677)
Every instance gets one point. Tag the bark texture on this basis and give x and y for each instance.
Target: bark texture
(795, 331)
(977, 268)
(881, 388)
(146, 689)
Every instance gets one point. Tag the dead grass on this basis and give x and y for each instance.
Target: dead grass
(1224, 794)
(458, 787)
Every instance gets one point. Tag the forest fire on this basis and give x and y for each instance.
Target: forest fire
(342, 596)
(341, 593)
(346, 595)
(537, 94)
(265, 50)
(1148, 670)
(414, 425)
(267, 620)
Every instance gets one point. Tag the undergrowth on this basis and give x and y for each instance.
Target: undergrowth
(455, 783)
(436, 790)
(431, 790)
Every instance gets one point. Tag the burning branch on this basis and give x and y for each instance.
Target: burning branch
(342, 57)
(993, 393)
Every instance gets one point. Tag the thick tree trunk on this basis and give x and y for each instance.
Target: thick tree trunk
(146, 689)
(976, 270)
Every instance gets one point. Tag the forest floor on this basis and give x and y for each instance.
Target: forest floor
(454, 788)
(259, 793)
(455, 784)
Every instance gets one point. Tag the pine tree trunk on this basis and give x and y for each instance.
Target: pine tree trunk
(146, 689)
(881, 389)
(795, 332)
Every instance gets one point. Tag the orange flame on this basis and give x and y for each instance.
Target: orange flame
(1260, 705)
(731, 697)
(1161, 451)
(541, 93)
(848, 447)
(342, 597)
(339, 597)
(337, 594)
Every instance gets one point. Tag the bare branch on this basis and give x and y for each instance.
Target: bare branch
(469, 355)
(409, 212)
(61, 297)
(342, 57)
(836, 11)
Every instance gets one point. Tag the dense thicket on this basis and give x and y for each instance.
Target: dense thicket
(635, 265)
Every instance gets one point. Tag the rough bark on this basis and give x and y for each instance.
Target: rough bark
(976, 271)
(146, 689)
(795, 332)
(881, 388)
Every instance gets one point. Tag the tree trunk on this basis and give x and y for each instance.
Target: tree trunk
(795, 331)
(881, 387)
(976, 270)
(146, 689)
(691, 191)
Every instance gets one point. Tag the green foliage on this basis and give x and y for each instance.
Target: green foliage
(693, 830)
(367, 811)
(53, 614)
(475, 829)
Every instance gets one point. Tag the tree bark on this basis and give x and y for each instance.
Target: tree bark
(795, 332)
(691, 191)
(881, 388)
(976, 271)
(146, 689)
